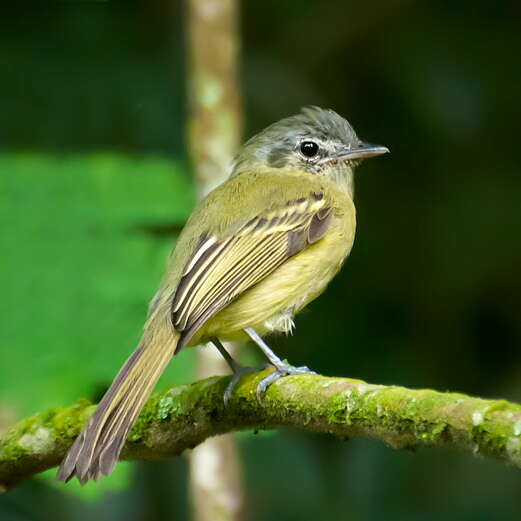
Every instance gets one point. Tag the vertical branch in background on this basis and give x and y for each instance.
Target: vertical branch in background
(215, 116)
(214, 133)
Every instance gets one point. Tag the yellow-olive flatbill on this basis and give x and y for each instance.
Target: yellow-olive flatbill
(253, 254)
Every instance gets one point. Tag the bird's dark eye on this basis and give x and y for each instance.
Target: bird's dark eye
(309, 148)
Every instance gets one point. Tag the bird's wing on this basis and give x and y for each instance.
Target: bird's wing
(220, 269)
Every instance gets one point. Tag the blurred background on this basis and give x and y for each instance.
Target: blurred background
(95, 184)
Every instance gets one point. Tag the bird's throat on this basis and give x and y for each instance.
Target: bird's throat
(342, 174)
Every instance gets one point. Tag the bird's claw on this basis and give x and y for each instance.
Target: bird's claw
(281, 371)
(238, 373)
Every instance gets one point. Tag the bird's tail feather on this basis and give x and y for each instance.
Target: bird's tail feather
(96, 450)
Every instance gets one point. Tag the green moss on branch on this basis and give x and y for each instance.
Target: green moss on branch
(185, 416)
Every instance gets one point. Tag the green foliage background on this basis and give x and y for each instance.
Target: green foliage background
(76, 292)
(95, 185)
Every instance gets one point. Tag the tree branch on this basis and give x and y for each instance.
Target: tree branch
(184, 416)
(214, 134)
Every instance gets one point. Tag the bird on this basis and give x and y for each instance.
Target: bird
(254, 252)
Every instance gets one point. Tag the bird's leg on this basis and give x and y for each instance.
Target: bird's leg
(282, 368)
(238, 369)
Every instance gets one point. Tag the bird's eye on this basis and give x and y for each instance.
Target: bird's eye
(309, 148)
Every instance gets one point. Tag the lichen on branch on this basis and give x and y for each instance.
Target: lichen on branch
(184, 416)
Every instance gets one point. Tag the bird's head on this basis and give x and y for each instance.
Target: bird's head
(317, 141)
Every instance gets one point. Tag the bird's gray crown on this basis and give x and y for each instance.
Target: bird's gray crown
(276, 143)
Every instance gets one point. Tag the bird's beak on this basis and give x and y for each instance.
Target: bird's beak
(362, 151)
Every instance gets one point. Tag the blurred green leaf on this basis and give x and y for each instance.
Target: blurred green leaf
(84, 244)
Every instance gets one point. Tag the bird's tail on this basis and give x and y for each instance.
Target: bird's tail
(96, 450)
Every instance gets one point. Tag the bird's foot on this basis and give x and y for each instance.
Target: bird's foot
(238, 372)
(281, 370)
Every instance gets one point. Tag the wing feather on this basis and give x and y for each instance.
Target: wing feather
(242, 265)
(220, 269)
(239, 284)
(245, 271)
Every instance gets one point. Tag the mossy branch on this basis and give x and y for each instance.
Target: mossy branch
(184, 416)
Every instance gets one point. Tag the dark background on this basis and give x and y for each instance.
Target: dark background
(92, 111)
